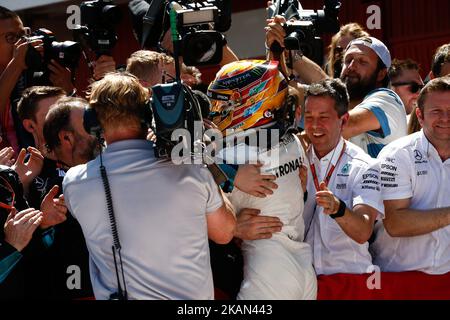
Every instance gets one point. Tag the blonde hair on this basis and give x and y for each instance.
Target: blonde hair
(144, 64)
(119, 101)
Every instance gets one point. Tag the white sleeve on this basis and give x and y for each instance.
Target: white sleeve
(65, 184)
(395, 174)
(389, 110)
(214, 198)
(366, 188)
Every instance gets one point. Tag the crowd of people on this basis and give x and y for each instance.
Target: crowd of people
(357, 177)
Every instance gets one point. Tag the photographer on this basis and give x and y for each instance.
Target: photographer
(163, 232)
(13, 50)
(377, 114)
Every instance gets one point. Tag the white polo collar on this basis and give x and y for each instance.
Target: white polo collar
(333, 155)
(427, 147)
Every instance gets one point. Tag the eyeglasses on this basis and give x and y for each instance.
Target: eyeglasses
(414, 87)
(7, 194)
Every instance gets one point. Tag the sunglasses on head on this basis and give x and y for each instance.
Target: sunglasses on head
(414, 87)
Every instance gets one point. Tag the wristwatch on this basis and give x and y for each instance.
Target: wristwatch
(341, 210)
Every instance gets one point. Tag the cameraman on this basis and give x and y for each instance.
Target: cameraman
(377, 114)
(163, 232)
(13, 50)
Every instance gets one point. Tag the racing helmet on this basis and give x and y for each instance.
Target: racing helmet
(246, 94)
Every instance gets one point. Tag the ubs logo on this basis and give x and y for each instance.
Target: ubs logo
(418, 155)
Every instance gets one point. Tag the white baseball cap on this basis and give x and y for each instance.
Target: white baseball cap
(377, 46)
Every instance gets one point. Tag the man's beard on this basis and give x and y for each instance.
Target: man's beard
(358, 90)
(87, 149)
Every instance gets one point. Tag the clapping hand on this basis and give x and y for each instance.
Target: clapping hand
(54, 210)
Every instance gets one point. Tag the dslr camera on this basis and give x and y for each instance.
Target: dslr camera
(66, 53)
(99, 19)
(304, 27)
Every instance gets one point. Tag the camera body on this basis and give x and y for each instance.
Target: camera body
(198, 23)
(304, 27)
(200, 45)
(66, 53)
(98, 21)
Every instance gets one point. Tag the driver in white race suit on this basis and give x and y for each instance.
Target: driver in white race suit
(248, 97)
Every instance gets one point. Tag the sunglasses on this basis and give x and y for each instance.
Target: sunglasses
(414, 87)
(7, 194)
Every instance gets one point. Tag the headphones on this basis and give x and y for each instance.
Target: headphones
(91, 124)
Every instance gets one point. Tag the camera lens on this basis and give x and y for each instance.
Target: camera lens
(294, 40)
(202, 47)
(111, 14)
(67, 52)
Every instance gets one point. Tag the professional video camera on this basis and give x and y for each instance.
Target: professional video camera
(304, 32)
(175, 105)
(199, 23)
(66, 53)
(98, 21)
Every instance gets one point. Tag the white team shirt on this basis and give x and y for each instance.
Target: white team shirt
(412, 169)
(355, 180)
(283, 160)
(387, 106)
(279, 267)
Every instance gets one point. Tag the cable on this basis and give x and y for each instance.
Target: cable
(121, 294)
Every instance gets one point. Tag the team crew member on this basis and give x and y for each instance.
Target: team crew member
(245, 95)
(164, 213)
(345, 182)
(415, 234)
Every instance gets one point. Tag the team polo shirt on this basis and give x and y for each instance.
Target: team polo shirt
(387, 106)
(160, 210)
(412, 169)
(355, 180)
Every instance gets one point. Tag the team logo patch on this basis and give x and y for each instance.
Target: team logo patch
(418, 155)
(346, 168)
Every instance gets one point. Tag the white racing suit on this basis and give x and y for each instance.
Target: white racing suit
(280, 267)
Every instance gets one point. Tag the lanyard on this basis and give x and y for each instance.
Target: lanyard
(330, 172)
